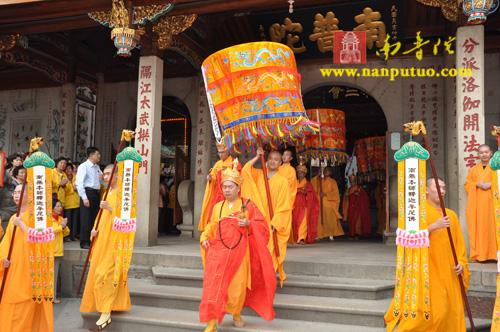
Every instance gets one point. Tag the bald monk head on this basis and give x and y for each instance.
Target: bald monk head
(107, 174)
(327, 171)
(287, 157)
(16, 195)
(484, 152)
(274, 161)
(432, 193)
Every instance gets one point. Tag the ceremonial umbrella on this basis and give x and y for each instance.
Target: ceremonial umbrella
(254, 95)
(329, 143)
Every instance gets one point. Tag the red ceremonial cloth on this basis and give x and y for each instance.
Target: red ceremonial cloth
(311, 202)
(359, 205)
(223, 263)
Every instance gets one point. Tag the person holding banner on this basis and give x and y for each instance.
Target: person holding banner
(100, 292)
(238, 266)
(305, 213)
(213, 191)
(480, 211)
(330, 226)
(18, 312)
(254, 187)
(287, 171)
(446, 304)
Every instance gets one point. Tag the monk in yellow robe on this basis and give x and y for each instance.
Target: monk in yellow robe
(238, 266)
(17, 311)
(380, 199)
(330, 225)
(99, 293)
(213, 191)
(287, 171)
(254, 186)
(447, 308)
(479, 211)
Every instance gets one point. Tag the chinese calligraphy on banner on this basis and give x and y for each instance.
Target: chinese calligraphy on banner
(470, 97)
(144, 123)
(424, 102)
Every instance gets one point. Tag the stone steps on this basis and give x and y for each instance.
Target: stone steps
(350, 288)
(294, 307)
(150, 319)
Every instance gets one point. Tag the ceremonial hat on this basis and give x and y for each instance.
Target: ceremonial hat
(302, 168)
(232, 174)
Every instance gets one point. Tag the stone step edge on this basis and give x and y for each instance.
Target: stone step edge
(278, 302)
(165, 317)
(335, 284)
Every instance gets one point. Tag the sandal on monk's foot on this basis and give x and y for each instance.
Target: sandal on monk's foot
(237, 321)
(101, 327)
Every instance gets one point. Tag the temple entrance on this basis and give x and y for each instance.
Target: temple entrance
(175, 161)
(366, 128)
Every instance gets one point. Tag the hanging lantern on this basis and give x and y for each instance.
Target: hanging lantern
(477, 10)
(330, 142)
(126, 39)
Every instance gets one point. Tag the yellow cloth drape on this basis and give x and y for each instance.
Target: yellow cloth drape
(101, 295)
(447, 313)
(289, 173)
(253, 187)
(480, 215)
(17, 310)
(495, 324)
(331, 223)
(209, 189)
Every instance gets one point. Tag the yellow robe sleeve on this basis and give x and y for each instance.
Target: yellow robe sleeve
(210, 229)
(332, 195)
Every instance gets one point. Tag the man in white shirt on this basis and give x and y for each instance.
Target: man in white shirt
(88, 185)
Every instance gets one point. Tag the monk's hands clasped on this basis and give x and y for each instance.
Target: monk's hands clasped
(243, 222)
(483, 185)
(458, 269)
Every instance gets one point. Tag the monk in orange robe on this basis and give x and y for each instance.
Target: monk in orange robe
(287, 171)
(99, 293)
(17, 311)
(254, 186)
(238, 266)
(330, 226)
(479, 211)
(380, 199)
(305, 213)
(213, 191)
(447, 308)
(356, 209)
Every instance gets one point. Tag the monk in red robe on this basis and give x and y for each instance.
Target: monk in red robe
(305, 213)
(239, 269)
(213, 190)
(356, 208)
